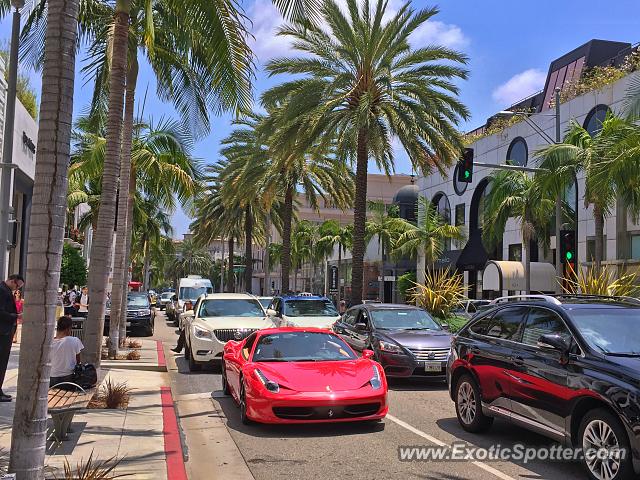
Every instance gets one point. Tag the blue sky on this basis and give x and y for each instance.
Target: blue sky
(510, 45)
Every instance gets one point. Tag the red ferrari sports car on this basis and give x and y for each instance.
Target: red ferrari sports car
(302, 375)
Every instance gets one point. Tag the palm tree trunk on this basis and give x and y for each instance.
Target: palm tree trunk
(248, 249)
(126, 150)
(598, 217)
(285, 260)
(231, 283)
(266, 264)
(381, 283)
(559, 272)
(359, 218)
(102, 247)
(28, 435)
(339, 269)
(527, 265)
(120, 270)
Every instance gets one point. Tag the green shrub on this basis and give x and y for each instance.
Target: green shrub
(74, 268)
(406, 282)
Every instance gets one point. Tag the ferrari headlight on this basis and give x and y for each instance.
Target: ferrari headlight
(200, 332)
(375, 381)
(268, 384)
(389, 347)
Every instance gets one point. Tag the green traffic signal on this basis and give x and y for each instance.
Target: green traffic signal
(569, 255)
(467, 174)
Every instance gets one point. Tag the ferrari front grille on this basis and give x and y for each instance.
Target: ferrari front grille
(327, 413)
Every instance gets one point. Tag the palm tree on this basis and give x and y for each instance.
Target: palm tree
(162, 168)
(429, 236)
(362, 85)
(609, 160)
(333, 234)
(385, 224)
(517, 195)
(28, 435)
(301, 248)
(191, 259)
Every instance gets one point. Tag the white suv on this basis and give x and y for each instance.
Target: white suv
(218, 318)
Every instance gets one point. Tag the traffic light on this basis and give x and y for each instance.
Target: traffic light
(567, 246)
(465, 166)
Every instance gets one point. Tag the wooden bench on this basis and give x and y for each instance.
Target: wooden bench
(63, 405)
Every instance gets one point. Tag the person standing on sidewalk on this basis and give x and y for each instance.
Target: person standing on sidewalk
(83, 303)
(19, 307)
(8, 320)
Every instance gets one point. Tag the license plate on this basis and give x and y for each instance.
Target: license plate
(128, 324)
(433, 367)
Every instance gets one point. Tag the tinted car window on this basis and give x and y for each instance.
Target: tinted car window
(309, 308)
(137, 301)
(350, 317)
(300, 347)
(541, 322)
(230, 308)
(609, 330)
(505, 324)
(403, 319)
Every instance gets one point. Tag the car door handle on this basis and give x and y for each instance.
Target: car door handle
(517, 360)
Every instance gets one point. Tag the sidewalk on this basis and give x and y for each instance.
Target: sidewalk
(144, 436)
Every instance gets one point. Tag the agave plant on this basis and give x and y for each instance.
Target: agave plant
(441, 292)
(92, 469)
(594, 281)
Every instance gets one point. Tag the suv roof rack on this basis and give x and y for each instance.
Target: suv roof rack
(616, 298)
(545, 298)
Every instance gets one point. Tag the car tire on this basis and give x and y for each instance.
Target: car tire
(468, 404)
(149, 330)
(225, 384)
(601, 422)
(243, 405)
(194, 366)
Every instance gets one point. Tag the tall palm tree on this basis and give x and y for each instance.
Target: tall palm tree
(363, 84)
(517, 195)
(386, 226)
(333, 234)
(191, 259)
(28, 435)
(428, 236)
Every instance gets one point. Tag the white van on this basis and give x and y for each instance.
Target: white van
(191, 287)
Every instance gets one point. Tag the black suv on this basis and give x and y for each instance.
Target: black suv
(140, 314)
(567, 367)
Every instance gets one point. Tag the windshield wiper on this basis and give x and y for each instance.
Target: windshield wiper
(623, 354)
(272, 360)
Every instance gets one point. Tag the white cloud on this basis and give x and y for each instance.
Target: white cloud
(266, 20)
(519, 86)
(434, 32)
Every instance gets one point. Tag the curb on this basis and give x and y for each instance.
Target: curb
(162, 361)
(172, 444)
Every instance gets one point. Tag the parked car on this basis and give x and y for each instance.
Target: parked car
(140, 315)
(303, 310)
(218, 318)
(295, 375)
(468, 308)
(405, 339)
(565, 366)
(171, 308)
(164, 299)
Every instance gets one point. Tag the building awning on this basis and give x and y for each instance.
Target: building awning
(473, 255)
(504, 275)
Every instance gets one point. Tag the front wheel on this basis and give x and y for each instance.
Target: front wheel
(605, 446)
(194, 366)
(243, 405)
(469, 406)
(225, 384)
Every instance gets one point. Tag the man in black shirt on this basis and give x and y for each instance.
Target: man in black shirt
(8, 322)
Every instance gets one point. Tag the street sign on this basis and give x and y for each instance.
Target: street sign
(333, 279)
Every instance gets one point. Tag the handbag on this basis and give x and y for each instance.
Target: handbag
(85, 375)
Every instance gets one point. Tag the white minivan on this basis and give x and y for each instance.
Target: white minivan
(190, 288)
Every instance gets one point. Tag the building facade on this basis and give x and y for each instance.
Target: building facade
(25, 139)
(462, 204)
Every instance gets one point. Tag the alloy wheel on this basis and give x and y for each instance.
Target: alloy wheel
(601, 450)
(466, 402)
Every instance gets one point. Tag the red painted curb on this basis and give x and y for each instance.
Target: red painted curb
(172, 445)
(162, 361)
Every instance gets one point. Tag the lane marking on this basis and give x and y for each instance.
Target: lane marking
(440, 443)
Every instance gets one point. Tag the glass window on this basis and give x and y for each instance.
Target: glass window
(591, 249)
(460, 215)
(541, 322)
(515, 252)
(301, 347)
(635, 247)
(609, 329)
(137, 301)
(192, 293)
(403, 319)
(248, 345)
(505, 324)
(518, 152)
(310, 308)
(350, 317)
(593, 122)
(230, 308)
(443, 207)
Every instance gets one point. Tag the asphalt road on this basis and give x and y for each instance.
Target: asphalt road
(421, 414)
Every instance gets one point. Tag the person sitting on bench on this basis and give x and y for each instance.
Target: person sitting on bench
(65, 353)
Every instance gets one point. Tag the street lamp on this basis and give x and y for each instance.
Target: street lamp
(550, 141)
(7, 149)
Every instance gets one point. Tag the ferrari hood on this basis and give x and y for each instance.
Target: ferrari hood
(319, 376)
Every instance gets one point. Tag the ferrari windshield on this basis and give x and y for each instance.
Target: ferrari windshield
(301, 347)
(309, 308)
(403, 319)
(227, 307)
